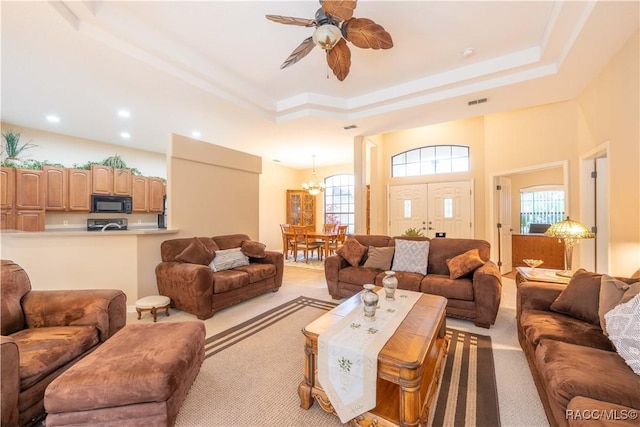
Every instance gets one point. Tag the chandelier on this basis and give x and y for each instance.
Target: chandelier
(312, 187)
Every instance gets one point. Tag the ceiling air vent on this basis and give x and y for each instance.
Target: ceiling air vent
(348, 127)
(477, 101)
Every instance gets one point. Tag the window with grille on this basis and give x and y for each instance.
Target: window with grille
(431, 160)
(540, 206)
(339, 203)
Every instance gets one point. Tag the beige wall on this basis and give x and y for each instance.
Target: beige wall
(526, 180)
(275, 180)
(610, 111)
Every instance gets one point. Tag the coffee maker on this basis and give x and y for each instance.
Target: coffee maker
(162, 218)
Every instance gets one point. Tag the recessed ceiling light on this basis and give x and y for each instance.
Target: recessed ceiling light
(53, 119)
(125, 135)
(196, 134)
(468, 52)
(124, 114)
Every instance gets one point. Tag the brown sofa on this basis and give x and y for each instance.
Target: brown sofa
(574, 365)
(196, 289)
(43, 334)
(474, 296)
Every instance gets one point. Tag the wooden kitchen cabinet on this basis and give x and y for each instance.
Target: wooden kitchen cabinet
(140, 194)
(7, 198)
(30, 189)
(537, 246)
(106, 180)
(157, 191)
(301, 208)
(67, 190)
(30, 220)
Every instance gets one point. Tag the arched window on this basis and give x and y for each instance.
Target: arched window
(434, 159)
(339, 204)
(541, 205)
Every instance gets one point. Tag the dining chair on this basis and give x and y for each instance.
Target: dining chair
(337, 242)
(304, 242)
(330, 228)
(287, 240)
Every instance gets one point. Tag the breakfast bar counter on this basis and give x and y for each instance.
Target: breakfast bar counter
(75, 232)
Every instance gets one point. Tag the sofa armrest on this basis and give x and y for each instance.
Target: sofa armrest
(275, 258)
(190, 286)
(332, 267)
(487, 292)
(105, 309)
(10, 384)
(537, 296)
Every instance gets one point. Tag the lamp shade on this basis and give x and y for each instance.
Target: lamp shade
(326, 36)
(569, 229)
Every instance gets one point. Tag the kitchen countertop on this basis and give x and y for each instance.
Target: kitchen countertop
(71, 231)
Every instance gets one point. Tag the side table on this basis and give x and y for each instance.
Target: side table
(524, 274)
(153, 303)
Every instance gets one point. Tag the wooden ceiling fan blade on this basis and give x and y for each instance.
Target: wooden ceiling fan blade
(299, 52)
(290, 20)
(366, 34)
(340, 9)
(339, 59)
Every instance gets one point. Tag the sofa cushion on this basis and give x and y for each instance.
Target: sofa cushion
(406, 280)
(195, 253)
(352, 251)
(442, 249)
(258, 271)
(44, 350)
(254, 249)
(623, 326)
(411, 256)
(169, 249)
(581, 297)
(612, 293)
(464, 263)
(538, 325)
(379, 258)
(227, 280)
(460, 289)
(570, 370)
(227, 259)
(358, 275)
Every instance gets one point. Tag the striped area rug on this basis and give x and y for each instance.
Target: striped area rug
(251, 373)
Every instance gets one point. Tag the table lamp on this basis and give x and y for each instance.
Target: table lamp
(569, 231)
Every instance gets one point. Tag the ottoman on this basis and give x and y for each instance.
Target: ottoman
(139, 376)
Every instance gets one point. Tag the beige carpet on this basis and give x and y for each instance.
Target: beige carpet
(519, 402)
(251, 374)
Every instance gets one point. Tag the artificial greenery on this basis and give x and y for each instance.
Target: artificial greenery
(413, 232)
(12, 146)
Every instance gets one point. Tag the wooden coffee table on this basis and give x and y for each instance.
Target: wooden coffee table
(409, 365)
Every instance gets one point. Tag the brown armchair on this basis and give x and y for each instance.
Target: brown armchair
(43, 334)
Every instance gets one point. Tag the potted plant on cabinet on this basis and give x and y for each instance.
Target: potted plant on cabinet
(13, 148)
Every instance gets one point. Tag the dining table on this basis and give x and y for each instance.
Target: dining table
(325, 237)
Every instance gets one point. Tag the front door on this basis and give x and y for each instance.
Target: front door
(407, 208)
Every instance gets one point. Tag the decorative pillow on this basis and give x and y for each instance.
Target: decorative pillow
(612, 293)
(464, 264)
(254, 249)
(229, 258)
(623, 328)
(352, 251)
(195, 253)
(411, 256)
(581, 297)
(379, 257)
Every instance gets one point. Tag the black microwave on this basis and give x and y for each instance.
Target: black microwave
(101, 203)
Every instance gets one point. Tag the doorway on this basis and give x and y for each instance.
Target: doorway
(595, 209)
(440, 207)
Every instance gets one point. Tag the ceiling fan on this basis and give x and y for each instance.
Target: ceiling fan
(335, 25)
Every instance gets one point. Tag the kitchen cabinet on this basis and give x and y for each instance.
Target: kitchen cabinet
(22, 202)
(109, 181)
(7, 198)
(537, 246)
(67, 190)
(301, 208)
(147, 194)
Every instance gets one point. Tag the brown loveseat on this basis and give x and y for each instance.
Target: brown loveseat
(580, 378)
(43, 334)
(197, 289)
(475, 296)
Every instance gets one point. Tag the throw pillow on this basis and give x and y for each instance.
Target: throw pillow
(411, 256)
(612, 293)
(464, 264)
(379, 257)
(352, 251)
(195, 253)
(623, 328)
(254, 249)
(581, 297)
(228, 258)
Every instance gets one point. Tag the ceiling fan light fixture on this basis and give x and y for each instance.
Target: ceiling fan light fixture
(327, 36)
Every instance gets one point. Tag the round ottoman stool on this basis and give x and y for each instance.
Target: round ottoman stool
(153, 303)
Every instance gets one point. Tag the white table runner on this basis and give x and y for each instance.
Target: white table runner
(348, 353)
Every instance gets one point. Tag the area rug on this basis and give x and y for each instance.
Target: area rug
(251, 373)
(312, 263)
